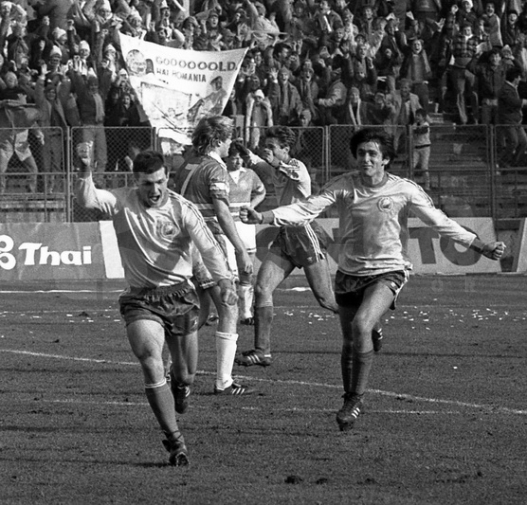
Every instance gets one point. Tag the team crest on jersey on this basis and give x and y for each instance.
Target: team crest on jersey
(386, 204)
(166, 228)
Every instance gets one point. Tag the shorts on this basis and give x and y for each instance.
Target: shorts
(247, 233)
(176, 307)
(349, 289)
(301, 245)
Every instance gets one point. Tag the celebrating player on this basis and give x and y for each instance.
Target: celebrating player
(156, 230)
(373, 207)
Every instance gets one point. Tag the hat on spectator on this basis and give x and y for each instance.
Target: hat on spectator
(468, 2)
(104, 4)
(259, 93)
(213, 14)
(260, 7)
(58, 32)
(55, 51)
(163, 4)
(134, 14)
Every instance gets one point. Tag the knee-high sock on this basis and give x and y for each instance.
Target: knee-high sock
(263, 322)
(161, 402)
(225, 354)
(360, 372)
(245, 293)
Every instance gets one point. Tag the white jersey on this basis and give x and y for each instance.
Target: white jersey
(373, 221)
(156, 243)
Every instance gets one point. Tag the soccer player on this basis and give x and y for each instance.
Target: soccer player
(156, 230)
(294, 247)
(245, 189)
(203, 179)
(373, 207)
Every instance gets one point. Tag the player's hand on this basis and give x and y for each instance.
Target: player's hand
(244, 261)
(493, 250)
(250, 216)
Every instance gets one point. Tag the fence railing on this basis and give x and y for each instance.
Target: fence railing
(471, 169)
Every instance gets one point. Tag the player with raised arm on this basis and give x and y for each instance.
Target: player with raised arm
(156, 230)
(373, 207)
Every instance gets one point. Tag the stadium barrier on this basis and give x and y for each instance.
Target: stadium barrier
(88, 251)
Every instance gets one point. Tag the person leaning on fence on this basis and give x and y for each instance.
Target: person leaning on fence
(373, 206)
(52, 101)
(156, 230)
(16, 116)
(510, 119)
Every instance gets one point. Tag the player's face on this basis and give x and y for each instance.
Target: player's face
(272, 147)
(223, 147)
(371, 162)
(152, 188)
(234, 162)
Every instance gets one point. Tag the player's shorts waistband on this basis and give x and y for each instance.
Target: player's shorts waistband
(178, 288)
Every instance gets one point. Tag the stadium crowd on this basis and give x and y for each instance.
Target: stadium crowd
(309, 63)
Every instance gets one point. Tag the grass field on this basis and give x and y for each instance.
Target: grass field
(445, 422)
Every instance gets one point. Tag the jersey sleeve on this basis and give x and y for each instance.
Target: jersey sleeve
(423, 207)
(89, 197)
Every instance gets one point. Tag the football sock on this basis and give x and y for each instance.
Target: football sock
(162, 404)
(245, 293)
(225, 353)
(263, 322)
(360, 372)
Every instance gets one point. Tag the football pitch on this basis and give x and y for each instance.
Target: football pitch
(445, 420)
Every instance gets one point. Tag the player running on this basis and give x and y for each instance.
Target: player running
(373, 207)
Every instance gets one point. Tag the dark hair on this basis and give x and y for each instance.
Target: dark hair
(512, 73)
(286, 136)
(210, 130)
(237, 147)
(148, 162)
(373, 135)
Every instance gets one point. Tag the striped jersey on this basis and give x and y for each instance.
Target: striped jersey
(156, 244)
(373, 221)
(200, 180)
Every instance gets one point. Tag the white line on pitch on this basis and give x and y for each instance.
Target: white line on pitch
(390, 394)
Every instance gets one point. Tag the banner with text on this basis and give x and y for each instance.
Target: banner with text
(177, 87)
(45, 251)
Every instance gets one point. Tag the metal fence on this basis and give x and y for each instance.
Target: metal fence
(470, 170)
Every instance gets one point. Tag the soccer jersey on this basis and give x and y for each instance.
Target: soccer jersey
(243, 183)
(373, 224)
(291, 182)
(201, 180)
(156, 243)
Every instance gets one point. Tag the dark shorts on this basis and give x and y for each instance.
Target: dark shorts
(349, 289)
(301, 245)
(176, 307)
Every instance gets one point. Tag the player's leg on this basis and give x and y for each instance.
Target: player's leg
(272, 272)
(246, 297)
(226, 343)
(318, 276)
(357, 321)
(146, 339)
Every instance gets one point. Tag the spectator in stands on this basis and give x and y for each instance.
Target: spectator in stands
(490, 77)
(330, 107)
(355, 110)
(510, 113)
(359, 71)
(57, 11)
(51, 101)
(422, 146)
(284, 97)
(493, 24)
(265, 30)
(416, 68)
(258, 117)
(388, 65)
(307, 85)
(15, 118)
(380, 112)
(464, 49)
(405, 104)
(91, 110)
(326, 22)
